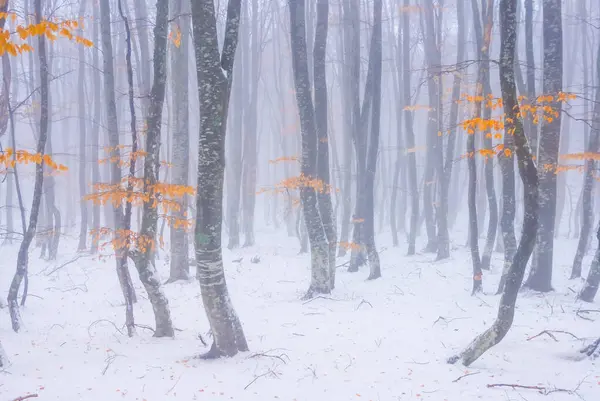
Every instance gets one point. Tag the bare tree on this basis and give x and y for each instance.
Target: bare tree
(540, 276)
(528, 172)
(82, 140)
(214, 88)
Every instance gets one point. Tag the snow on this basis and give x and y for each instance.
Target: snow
(370, 340)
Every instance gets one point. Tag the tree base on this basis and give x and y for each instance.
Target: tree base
(592, 350)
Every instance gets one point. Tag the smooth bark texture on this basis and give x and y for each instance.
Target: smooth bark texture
(23, 255)
(213, 92)
(180, 153)
(83, 225)
(319, 247)
(527, 170)
(540, 276)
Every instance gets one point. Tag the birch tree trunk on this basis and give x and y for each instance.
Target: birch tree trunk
(213, 91)
(527, 169)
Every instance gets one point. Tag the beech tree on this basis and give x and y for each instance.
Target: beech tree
(215, 76)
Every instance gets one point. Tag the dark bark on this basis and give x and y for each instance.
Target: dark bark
(530, 128)
(319, 247)
(321, 115)
(587, 197)
(375, 57)
(214, 88)
(540, 276)
(527, 170)
(23, 255)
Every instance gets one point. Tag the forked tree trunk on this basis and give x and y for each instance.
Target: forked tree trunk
(540, 275)
(319, 247)
(527, 169)
(321, 115)
(23, 255)
(180, 266)
(214, 88)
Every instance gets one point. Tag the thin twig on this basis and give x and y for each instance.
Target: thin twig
(266, 355)
(364, 302)
(171, 389)
(258, 377)
(63, 265)
(320, 296)
(465, 375)
(541, 390)
(549, 333)
(24, 397)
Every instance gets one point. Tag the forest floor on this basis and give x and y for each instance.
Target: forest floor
(377, 340)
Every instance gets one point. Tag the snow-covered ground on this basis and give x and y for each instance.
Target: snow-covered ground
(382, 340)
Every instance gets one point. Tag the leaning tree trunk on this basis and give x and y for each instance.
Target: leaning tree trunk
(214, 88)
(540, 275)
(321, 112)
(180, 266)
(527, 169)
(23, 255)
(588, 184)
(319, 247)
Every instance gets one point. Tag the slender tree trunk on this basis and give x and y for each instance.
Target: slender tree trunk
(97, 118)
(82, 141)
(180, 266)
(375, 57)
(540, 276)
(410, 134)
(527, 169)
(588, 186)
(23, 255)
(590, 288)
(321, 114)
(115, 154)
(319, 247)
(214, 88)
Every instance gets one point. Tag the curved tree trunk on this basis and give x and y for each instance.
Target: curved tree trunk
(527, 169)
(23, 255)
(214, 88)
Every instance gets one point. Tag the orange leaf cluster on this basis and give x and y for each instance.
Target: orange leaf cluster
(9, 158)
(122, 239)
(284, 159)
(350, 246)
(51, 30)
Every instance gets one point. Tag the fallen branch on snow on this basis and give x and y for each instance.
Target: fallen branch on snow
(267, 355)
(580, 312)
(269, 372)
(364, 302)
(465, 375)
(549, 333)
(321, 297)
(24, 397)
(540, 389)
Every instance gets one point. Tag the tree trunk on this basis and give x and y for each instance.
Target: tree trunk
(527, 169)
(82, 141)
(180, 266)
(321, 114)
(115, 154)
(587, 196)
(23, 255)
(540, 276)
(590, 288)
(319, 247)
(97, 120)
(410, 134)
(213, 91)
(375, 57)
